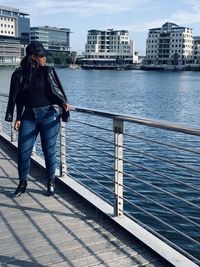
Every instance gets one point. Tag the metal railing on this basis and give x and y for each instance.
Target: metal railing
(148, 171)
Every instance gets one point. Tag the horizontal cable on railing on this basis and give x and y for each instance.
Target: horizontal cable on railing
(92, 136)
(87, 145)
(85, 175)
(160, 174)
(94, 170)
(162, 190)
(161, 205)
(92, 125)
(178, 248)
(162, 159)
(88, 156)
(161, 221)
(164, 144)
(4, 95)
(92, 190)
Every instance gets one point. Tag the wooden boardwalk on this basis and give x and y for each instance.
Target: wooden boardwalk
(64, 230)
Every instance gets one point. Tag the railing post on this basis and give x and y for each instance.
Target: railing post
(118, 128)
(34, 151)
(1, 121)
(13, 133)
(63, 165)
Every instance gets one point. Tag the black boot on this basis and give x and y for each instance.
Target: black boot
(51, 188)
(20, 189)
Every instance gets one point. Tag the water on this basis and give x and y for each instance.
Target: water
(169, 96)
(159, 95)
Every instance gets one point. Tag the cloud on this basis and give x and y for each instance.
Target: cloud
(184, 17)
(81, 7)
(194, 4)
(189, 15)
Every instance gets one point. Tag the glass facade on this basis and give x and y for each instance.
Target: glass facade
(53, 38)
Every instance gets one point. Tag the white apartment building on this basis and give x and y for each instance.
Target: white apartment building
(7, 26)
(14, 34)
(196, 49)
(169, 45)
(109, 47)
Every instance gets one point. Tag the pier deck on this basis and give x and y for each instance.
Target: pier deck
(64, 230)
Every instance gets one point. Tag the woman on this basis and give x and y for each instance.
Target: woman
(34, 89)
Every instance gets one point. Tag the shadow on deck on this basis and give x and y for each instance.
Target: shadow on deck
(64, 230)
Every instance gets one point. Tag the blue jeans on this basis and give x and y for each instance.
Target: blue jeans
(46, 122)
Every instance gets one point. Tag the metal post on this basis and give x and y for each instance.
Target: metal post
(1, 122)
(34, 152)
(63, 165)
(118, 128)
(13, 133)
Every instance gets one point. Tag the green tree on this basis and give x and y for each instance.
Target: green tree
(73, 57)
(59, 58)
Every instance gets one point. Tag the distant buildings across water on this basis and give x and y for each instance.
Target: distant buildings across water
(167, 47)
(109, 48)
(16, 34)
(53, 38)
(172, 46)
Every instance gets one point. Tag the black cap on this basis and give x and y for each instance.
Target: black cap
(36, 48)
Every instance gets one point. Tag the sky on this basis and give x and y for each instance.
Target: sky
(136, 16)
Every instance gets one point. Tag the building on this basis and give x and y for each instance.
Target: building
(10, 51)
(109, 47)
(196, 49)
(14, 34)
(53, 39)
(169, 45)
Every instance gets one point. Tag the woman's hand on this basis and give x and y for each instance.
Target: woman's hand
(66, 106)
(17, 125)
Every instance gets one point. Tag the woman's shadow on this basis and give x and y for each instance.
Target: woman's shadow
(4, 260)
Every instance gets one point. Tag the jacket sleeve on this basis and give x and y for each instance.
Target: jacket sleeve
(14, 98)
(58, 92)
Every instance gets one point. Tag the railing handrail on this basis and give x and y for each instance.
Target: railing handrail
(143, 121)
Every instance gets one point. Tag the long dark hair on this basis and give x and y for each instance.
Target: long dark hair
(28, 64)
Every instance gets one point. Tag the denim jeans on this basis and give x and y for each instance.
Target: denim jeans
(46, 122)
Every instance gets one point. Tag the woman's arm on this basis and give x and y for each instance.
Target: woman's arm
(14, 98)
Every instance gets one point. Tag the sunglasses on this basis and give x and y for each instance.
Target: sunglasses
(40, 56)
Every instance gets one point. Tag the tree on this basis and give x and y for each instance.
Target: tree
(176, 58)
(73, 57)
(59, 58)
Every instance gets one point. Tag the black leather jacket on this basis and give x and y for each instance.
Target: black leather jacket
(16, 93)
